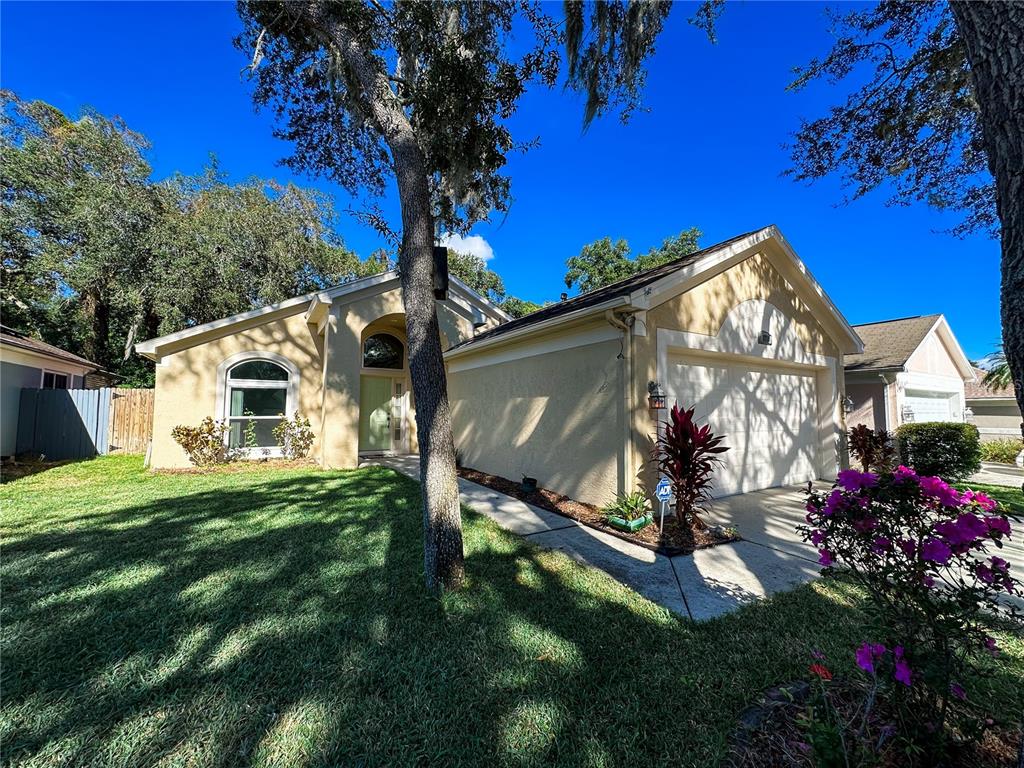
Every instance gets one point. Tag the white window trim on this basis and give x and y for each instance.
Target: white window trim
(42, 377)
(291, 393)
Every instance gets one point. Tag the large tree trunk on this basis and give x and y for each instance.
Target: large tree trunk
(98, 312)
(442, 521)
(993, 33)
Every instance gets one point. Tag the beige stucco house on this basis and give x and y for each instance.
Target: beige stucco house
(741, 331)
(992, 409)
(911, 369)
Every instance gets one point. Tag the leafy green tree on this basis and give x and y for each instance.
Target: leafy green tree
(97, 256)
(474, 272)
(77, 205)
(603, 262)
(517, 307)
(421, 92)
(936, 118)
(232, 247)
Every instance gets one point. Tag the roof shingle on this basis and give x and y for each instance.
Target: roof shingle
(975, 390)
(17, 339)
(890, 343)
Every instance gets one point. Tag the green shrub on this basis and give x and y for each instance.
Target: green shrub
(204, 445)
(632, 506)
(294, 436)
(1003, 451)
(944, 449)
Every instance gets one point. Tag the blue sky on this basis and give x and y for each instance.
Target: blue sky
(708, 153)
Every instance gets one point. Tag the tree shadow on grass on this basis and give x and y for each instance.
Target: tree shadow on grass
(284, 622)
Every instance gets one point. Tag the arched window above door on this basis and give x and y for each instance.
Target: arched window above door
(382, 350)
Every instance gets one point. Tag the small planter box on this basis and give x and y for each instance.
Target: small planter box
(630, 526)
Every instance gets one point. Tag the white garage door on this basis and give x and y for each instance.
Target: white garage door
(767, 416)
(928, 406)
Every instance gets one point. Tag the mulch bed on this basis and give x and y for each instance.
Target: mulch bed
(674, 540)
(769, 735)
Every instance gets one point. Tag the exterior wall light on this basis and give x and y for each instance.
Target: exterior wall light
(764, 338)
(655, 396)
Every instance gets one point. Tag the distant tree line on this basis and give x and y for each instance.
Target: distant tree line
(98, 256)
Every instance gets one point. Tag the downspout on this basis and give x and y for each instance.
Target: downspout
(626, 326)
(885, 402)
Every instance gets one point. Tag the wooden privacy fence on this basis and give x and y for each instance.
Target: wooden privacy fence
(82, 423)
(131, 420)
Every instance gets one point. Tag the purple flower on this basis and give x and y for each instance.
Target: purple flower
(901, 669)
(937, 488)
(834, 503)
(936, 551)
(865, 524)
(963, 531)
(928, 580)
(984, 573)
(866, 655)
(998, 524)
(852, 480)
(998, 564)
(957, 690)
(825, 557)
(817, 536)
(990, 645)
(909, 547)
(881, 545)
(904, 475)
(816, 654)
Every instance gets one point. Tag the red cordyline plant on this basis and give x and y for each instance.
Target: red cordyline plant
(687, 454)
(874, 448)
(923, 552)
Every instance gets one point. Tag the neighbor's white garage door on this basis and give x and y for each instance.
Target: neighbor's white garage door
(767, 415)
(928, 406)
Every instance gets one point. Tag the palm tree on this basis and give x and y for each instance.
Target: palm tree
(998, 376)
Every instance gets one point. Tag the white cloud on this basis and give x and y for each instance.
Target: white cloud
(473, 244)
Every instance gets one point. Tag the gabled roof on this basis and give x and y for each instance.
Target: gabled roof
(889, 344)
(634, 290)
(14, 338)
(381, 281)
(976, 390)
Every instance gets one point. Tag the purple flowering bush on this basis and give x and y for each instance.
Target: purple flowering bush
(926, 555)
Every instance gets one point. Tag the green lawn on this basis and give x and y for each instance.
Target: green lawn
(278, 617)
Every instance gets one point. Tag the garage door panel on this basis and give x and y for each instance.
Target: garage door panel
(767, 417)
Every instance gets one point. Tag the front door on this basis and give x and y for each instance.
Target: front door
(374, 414)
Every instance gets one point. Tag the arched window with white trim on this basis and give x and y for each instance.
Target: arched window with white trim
(256, 391)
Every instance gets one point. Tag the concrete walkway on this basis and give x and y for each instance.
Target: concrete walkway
(706, 584)
(992, 473)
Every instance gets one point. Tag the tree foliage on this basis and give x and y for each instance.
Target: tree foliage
(603, 261)
(97, 255)
(912, 126)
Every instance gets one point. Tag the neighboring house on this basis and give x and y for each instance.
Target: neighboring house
(993, 410)
(740, 331)
(27, 363)
(911, 369)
